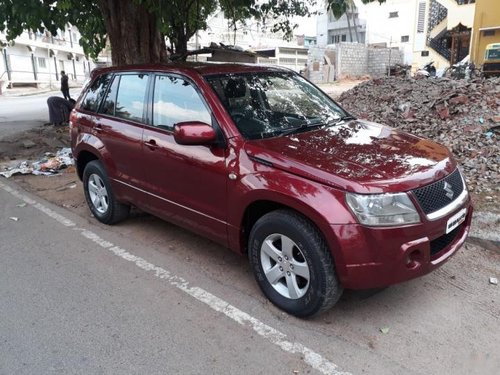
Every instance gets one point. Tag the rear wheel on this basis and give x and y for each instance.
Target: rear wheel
(292, 264)
(100, 197)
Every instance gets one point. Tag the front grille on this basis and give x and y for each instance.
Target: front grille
(433, 197)
(441, 242)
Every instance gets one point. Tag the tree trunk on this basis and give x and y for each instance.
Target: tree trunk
(349, 25)
(179, 38)
(133, 33)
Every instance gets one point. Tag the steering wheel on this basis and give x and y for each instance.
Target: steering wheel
(237, 116)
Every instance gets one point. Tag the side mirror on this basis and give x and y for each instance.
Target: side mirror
(194, 133)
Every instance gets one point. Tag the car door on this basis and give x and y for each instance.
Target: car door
(119, 124)
(186, 184)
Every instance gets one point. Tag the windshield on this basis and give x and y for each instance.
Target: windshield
(271, 104)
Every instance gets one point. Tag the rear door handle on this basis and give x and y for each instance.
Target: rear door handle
(98, 128)
(151, 144)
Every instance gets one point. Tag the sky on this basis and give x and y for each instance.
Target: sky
(307, 25)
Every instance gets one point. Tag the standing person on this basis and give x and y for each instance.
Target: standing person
(65, 85)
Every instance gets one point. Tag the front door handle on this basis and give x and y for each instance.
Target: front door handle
(98, 128)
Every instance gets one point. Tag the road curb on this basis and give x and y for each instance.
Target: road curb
(484, 231)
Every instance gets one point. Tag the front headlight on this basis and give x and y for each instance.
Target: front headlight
(383, 209)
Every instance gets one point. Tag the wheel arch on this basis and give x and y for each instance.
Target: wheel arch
(84, 157)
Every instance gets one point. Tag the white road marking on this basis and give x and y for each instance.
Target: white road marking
(313, 359)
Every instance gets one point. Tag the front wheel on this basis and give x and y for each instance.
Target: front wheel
(100, 197)
(293, 264)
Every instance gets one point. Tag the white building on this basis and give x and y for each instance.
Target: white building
(388, 24)
(255, 36)
(249, 35)
(38, 58)
(330, 30)
(422, 29)
(391, 24)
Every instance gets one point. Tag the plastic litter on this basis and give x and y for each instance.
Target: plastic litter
(50, 164)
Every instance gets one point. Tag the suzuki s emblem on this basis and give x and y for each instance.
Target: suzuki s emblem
(449, 191)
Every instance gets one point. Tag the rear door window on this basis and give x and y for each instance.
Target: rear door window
(131, 96)
(176, 100)
(95, 93)
(109, 104)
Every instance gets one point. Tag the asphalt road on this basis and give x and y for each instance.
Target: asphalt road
(148, 297)
(69, 305)
(19, 113)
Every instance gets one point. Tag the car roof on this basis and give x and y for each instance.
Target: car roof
(202, 68)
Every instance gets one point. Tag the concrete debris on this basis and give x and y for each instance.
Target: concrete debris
(13, 218)
(493, 281)
(28, 144)
(460, 114)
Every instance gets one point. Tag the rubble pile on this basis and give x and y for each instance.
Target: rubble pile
(462, 115)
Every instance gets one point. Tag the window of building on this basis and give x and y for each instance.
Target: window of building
(42, 63)
(335, 39)
(405, 38)
(393, 14)
(489, 32)
(96, 93)
(130, 97)
(176, 100)
(424, 53)
(288, 60)
(343, 37)
(421, 17)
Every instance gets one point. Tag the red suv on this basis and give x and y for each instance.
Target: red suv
(261, 161)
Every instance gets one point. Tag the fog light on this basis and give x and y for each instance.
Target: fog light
(413, 259)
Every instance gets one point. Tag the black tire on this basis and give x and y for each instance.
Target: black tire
(320, 291)
(107, 209)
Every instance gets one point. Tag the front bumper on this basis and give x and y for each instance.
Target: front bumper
(379, 257)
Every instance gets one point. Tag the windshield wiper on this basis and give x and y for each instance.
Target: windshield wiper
(301, 128)
(347, 117)
(319, 124)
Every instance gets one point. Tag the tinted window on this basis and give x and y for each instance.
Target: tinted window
(130, 98)
(109, 104)
(176, 100)
(95, 93)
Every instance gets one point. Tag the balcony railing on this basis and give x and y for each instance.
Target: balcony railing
(437, 13)
(440, 44)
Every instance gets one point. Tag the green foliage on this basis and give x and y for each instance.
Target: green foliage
(179, 20)
(37, 15)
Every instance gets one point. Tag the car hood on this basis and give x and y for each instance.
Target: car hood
(358, 156)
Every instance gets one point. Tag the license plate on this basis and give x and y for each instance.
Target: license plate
(456, 220)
